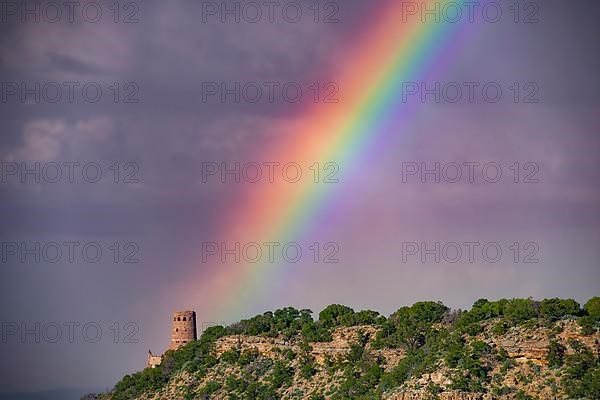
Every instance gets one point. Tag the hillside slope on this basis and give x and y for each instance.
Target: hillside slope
(513, 349)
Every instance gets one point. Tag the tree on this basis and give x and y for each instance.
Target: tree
(581, 373)
(282, 375)
(367, 317)
(519, 310)
(315, 332)
(336, 315)
(428, 311)
(408, 326)
(592, 307)
(556, 354)
(555, 309)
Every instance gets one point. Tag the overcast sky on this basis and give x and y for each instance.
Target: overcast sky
(156, 138)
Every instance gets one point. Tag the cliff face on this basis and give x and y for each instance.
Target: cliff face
(441, 396)
(532, 344)
(419, 353)
(529, 373)
(527, 349)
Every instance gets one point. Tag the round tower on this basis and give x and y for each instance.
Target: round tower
(183, 329)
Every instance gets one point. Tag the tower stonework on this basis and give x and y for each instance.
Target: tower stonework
(183, 329)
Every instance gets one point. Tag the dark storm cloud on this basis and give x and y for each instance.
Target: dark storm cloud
(66, 63)
(170, 132)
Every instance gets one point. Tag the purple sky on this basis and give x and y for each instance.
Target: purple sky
(170, 132)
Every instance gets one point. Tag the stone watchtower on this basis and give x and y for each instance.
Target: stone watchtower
(183, 329)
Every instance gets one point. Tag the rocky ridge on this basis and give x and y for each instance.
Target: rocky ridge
(446, 360)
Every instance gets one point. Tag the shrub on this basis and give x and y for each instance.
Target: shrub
(592, 308)
(231, 356)
(556, 354)
(582, 372)
(307, 368)
(473, 329)
(336, 315)
(367, 317)
(210, 388)
(408, 326)
(520, 310)
(282, 375)
(587, 324)
(500, 328)
(555, 309)
(316, 332)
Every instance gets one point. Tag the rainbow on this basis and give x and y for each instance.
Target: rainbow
(388, 53)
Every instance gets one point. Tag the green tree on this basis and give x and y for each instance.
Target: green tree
(316, 332)
(555, 309)
(520, 310)
(336, 315)
(556, 354)
(592, 307)
(582, 370)
(367, 317)
(282, 375)
(408, 326)
(588, 324)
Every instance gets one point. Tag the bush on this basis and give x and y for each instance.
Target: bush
(234, 384)
(514, 311)
(592, 308)
(408, 326)
(286, 321)
(307, 368)
(473, 329)
(455, 351)
(259, 391)
(282, 375)
(556, 354)
(231, 356)
(336, 315)
(316, 332)
(555, 309)
(521, 310)
(587, 324)
(500, 328)
(582, 372)
(367, 317)
(520, 395)
(210, 388)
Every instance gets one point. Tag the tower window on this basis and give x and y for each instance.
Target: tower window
(184, 318)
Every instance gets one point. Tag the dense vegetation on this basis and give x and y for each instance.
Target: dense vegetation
(429, 333)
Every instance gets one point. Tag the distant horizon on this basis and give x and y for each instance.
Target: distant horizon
(51, 394)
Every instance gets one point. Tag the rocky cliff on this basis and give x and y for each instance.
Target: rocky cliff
(420, 352)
